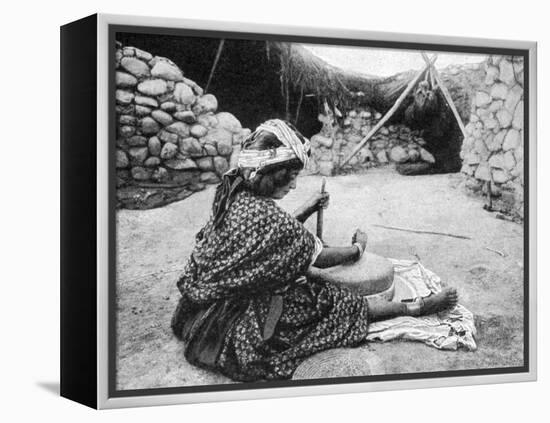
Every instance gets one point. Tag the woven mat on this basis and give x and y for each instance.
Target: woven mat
(340, 362)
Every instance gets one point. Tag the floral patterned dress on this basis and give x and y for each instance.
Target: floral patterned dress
(247, 310)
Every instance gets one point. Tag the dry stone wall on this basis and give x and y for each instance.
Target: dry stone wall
(169, 132)
(391, 144)
(492, 152)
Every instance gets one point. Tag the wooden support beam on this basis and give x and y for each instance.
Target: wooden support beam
(388, 114)
(446, 94)
(432, 80)
(218, 54)
(299, 105)
(449, 99)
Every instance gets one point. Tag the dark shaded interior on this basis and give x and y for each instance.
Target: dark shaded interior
(440, 131)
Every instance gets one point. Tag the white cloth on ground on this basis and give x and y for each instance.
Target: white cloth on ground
(448, 330)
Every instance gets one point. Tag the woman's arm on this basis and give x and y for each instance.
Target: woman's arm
(317, 201)
(302, 213)
(334, 256)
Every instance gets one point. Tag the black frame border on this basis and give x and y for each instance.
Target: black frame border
(402, 45)
(78, 211)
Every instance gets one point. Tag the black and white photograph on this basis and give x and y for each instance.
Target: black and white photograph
(275, 211)
(292, 211)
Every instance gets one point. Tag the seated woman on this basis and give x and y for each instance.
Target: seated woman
(252, 305)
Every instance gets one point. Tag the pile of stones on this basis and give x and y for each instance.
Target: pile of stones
(391, 144)
(169, 132)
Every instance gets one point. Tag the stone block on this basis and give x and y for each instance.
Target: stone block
(499, 91)
(184, 94)
(506, 73)
(228, 121)
(504, 118)
(148, 126)
(125, 80)
(122, 161)
(135, 66)
(124, 97)
(146, 101)
(168, 151)
(166, 70)
(155, 146)
(141, 173)
(138, 155)
(181, 164)
(482, 99)
(162, 117)
(192, 147)
(512, 140)
(152, 87)
(517, 121)
(136, 141)
(179, 128)
(514, 96)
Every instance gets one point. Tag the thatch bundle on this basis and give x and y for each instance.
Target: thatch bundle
(309, 74)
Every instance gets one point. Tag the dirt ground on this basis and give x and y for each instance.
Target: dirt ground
(153, 246)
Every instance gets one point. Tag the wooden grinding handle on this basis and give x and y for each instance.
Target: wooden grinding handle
(320, 213)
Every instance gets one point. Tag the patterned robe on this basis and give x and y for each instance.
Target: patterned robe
(247, 310)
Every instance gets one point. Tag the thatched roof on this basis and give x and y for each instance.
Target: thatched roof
(315, 76)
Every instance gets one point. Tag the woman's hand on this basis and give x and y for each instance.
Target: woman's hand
(360, 237)
(317, 201)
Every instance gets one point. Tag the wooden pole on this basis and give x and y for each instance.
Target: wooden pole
(320, 213)
(421, 231)
(447, 95)
(299, 105)
(287, 78)
(432, 79)
(449, 99)
(388, 115)
(218, 54)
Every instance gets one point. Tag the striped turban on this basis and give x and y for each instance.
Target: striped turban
(293, 148)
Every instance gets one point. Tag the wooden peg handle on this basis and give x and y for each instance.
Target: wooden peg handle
(320, 213)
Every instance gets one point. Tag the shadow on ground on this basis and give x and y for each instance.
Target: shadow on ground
(153, 246)
(50, 387)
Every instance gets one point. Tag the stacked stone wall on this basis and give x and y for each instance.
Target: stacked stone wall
(391, 144)
(493, 150)
(169, 132)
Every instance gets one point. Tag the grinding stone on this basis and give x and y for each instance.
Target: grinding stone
(371, 275)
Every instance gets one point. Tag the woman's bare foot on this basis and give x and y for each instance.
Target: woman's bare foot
(445, 300)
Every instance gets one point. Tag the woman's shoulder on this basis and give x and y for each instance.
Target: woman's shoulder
(255, 208)
(253, 201)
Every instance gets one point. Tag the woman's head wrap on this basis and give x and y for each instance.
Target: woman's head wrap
(294, 147)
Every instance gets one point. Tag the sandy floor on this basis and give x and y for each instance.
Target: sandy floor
(153, 246)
